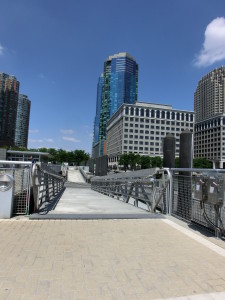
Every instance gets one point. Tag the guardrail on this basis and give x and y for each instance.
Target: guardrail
(139, 186)
(47, 184)
(21, 172)
(86, 176)
(194, 195)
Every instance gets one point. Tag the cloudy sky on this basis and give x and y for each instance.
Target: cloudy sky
(57, 49)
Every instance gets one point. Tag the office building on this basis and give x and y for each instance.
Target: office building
(9, 91)
(141, 127)
(22, 121)
(98, 109)
(209, 105)
(120, 85)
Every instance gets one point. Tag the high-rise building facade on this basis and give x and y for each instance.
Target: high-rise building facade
(209, 105)
(98, 109)
(9, 92)
(141, 127)
(120, 85)
(209, 97)
(22, 121)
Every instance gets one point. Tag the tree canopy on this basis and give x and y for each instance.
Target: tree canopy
(136, 161)
(59, 155)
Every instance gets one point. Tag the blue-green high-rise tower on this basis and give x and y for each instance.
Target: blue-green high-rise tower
(119, 85)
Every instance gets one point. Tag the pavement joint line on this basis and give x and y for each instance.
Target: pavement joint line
(209, 296)
(197, 238)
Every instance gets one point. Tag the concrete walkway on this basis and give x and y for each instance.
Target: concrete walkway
(74, 175)
(78, 201)
(107, 260)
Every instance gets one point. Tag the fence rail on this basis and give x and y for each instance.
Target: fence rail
(194, 195)
(21, 172)
(47, 184)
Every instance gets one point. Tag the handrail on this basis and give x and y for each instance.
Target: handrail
(46, 184)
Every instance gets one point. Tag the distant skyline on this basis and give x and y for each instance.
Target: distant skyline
(57, 49)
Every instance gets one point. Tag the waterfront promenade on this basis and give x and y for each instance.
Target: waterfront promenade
(94, 259)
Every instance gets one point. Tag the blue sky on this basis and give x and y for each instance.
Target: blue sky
(57, 49)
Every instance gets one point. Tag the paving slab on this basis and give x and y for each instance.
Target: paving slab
(107, 259)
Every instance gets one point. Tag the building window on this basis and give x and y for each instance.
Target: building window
(168, 115)
(152, 113)
(147, 112)
(142, 112)
(126, 110)
(163, 115)
(132, 111)
(137, 112)
(157, 114)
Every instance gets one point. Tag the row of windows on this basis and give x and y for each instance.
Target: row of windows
(209, 124)
(142, 126)
(158, 114)
(142, 120)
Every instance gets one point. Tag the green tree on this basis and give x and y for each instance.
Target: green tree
(80, 156)
(156, 161)
(202, 163)
(43, 149)
(53, 153)
(145, 162)
(124, 161)
(134, 160)
(61, 156)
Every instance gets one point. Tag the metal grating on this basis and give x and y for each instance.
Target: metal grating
(21, 192)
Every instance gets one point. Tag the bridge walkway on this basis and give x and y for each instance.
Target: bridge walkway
(78, 201)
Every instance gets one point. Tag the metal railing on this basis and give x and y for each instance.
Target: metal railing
(87, 177)
(21, 173)
(137, 187)
(178, 192)
(47, 184)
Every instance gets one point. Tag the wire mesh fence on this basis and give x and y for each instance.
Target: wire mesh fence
(21, 191)
(193, 195)
(198, 197)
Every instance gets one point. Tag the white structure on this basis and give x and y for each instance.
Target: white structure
(140, 128)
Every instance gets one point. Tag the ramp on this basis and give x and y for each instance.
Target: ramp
(80, 202)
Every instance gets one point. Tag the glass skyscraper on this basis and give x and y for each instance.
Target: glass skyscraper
(98, 109)
(9, 91)
(22, 121)
(120, 85)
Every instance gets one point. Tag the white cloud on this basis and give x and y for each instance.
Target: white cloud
(70, 139)
(33, 130)
(35, 141)
(1, 49)
(67, 131)
(49, 140)
(213, 49)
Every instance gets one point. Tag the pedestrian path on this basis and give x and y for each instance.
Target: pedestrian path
(106, 260)
(74, 175)
(78, 201)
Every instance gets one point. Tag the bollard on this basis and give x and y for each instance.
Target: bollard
(169, 148)
(184, 178)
